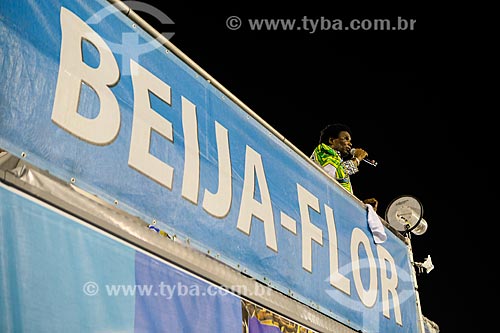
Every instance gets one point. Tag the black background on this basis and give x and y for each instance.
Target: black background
(386, 85)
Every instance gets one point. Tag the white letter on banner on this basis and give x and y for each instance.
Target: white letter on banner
(251, 207)
(145, 119)
(337, 280)
(191, 178)
(104, 128)
(368, 297)
(219, 204)
(389, 285)
(310, 232)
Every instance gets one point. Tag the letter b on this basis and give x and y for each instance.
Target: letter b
(104, 128)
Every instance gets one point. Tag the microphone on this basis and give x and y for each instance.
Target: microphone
(371, 162)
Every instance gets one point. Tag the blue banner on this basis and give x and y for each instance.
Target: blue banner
(58, 275)
(90, 97)
(186, 303)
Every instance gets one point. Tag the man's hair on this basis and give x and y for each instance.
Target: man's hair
(332, 131)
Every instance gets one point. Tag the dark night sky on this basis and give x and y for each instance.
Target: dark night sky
(386, 85)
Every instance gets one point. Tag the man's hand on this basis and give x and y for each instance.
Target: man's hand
(373, 202)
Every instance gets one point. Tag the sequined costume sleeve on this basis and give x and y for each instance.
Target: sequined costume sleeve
(334, 165)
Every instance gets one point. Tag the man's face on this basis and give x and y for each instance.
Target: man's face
(342, 143)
